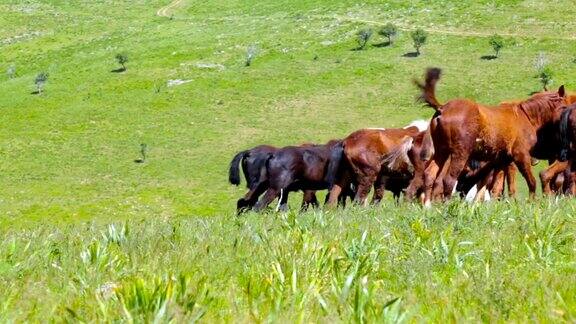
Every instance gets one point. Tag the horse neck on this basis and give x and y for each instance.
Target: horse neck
(538, 115)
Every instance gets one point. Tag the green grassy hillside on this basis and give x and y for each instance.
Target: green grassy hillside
(67, 155)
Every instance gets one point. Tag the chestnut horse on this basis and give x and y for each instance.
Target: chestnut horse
(474, 176)
(294, 168)
(462, 130)
(254, 167)
(361, 160)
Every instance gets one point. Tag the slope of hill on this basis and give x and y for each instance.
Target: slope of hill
(175, 250)
(69, 152)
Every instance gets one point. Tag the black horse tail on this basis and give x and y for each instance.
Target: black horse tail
(564, 136)
(234, 172)
(336, 154)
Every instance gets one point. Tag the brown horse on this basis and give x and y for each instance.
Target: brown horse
(295, 168)
(462, 130)
(474, 175)
(360, 160)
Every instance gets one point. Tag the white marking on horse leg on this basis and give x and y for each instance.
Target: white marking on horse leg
(427, 204)
(487, 195)
(280, 200)
(471, 195)
(454, 188)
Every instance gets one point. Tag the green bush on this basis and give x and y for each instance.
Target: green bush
(363, 37)
(389, 31)
(497, 43)
(419, 37)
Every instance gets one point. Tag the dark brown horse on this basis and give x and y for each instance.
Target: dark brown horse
(361, 160)
(254, 167)
(567, 134)
(295, 168)
(462, 129)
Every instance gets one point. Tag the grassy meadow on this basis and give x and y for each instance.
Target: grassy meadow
(88, 234)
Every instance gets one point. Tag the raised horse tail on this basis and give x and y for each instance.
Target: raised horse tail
(564, 135)
(234, 172)
(428, 88)
(336, 154)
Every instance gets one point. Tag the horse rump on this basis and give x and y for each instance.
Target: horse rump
(336, 154)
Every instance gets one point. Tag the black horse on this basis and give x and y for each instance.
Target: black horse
(295, 168)
(254, 167)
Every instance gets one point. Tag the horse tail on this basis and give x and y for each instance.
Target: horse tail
(564, 136)
(234, 172)
(399, 155)
(428, 88)
(336, 154)
(427, 147)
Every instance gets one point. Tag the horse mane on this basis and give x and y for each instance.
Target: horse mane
(540, 107)
(428, 88)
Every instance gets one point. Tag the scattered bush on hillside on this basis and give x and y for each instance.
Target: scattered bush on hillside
(419, 37)
(363, 37)
(389, 31)
(11, 72)
(122, 59)
(497, 43)
(40, 81)
(251, 53)
(143, 151)
(543, 72)
(157, 86)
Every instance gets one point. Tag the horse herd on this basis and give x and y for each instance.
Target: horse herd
(466, 148)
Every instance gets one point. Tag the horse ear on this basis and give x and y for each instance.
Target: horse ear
(562, 91)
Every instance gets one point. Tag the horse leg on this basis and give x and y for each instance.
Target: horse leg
(283, 201)
(511, 180)
(550, 173)
(309, 198)
(570, 180)
(416, 185)
(524, 163)
(559, 183)
(251, 197)
(379, 188)
(364, 185)
(454, 169)
(497, 183)
(429, 177)
(269, 196)
(438, 191)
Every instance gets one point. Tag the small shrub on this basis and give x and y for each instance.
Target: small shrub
(389, 31)
(11, 72)
(40, 81)
(251, 52)
(363, 37)
(419, 37)
(497, 43)
(543, 72)
(122, 59)
(545, 77)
